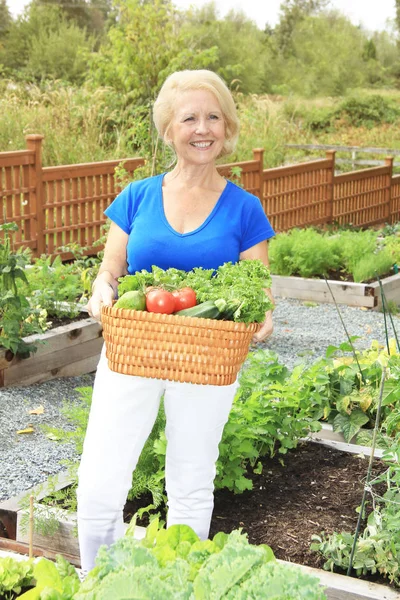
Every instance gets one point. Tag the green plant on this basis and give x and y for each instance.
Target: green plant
(54, 581)
(272, 410)
(17, 317)
(176, 564)
(367, 111)
(369, 266)
(15, 575)
(55, 286)
(378, 548)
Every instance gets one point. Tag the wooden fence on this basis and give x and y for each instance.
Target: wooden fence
(55, 206)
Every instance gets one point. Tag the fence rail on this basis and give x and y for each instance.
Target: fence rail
(354, 151)
(56, 206)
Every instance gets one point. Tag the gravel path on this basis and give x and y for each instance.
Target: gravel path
(302, 332)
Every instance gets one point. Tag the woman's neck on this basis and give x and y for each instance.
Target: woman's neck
(202, 176)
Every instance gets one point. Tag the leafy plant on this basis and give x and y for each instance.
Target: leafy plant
(176, 564)
(54, 581)
(241, 285)
(17, 317)
(378, 548)
(55, 286)
(311, 253)
(272, 410)
(367, 112)
(14, 576)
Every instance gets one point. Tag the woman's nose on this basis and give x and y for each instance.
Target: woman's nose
(202, 126)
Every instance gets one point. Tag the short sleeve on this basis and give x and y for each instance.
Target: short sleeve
(255, 224)
(123, 209)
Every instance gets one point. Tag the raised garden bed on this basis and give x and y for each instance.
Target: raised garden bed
(65, 351)
(367, 295)
(318, 489)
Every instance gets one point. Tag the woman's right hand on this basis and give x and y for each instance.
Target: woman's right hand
(103, 295)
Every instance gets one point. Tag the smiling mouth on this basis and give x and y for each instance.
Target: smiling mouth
(201, 144)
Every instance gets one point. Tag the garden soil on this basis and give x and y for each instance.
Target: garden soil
(317, 489)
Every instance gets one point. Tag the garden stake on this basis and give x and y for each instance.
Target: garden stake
(31, 526)
(384, 312)
(347, 333)
(384, 306)
(366, 486)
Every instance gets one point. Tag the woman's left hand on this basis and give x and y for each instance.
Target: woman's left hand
(266, 329)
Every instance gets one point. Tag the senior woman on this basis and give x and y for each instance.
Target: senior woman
(189, 217)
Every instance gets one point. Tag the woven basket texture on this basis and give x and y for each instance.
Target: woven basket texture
(186, 349)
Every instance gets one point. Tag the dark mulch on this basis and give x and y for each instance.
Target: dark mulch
(318, 489)
(57, 322)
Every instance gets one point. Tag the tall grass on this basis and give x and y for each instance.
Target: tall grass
(79, 125)
(83, 125)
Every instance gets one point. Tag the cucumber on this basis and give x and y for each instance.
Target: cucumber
(211, 309)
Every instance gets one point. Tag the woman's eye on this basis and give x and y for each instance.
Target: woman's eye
(189, 119)
(215, 117)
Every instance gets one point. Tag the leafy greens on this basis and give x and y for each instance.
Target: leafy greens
(242, 285)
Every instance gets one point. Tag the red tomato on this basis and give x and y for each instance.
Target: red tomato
(160, 301)
(184, 298)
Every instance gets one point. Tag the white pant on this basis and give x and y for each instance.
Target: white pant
(123, 412)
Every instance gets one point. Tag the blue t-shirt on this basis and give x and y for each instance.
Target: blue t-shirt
(236, 223)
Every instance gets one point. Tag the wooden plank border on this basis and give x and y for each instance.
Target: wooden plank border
(352, 294)
(66, 351)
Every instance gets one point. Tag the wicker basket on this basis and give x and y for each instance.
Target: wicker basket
(185, 349)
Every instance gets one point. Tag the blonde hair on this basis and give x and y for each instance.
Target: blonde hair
(201, 79)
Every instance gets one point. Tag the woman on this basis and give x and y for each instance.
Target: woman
(189, 217)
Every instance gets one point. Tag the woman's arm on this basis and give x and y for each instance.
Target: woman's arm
(113, 266)
(260, 251)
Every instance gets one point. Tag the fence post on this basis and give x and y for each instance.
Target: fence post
(34, 142)
(330, 155)
(388, 192)
(258, 155)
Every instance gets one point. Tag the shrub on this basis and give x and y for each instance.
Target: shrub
(368, 111)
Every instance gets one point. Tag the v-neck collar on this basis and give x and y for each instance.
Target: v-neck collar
(205, 222)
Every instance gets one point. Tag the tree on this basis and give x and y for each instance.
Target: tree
(91, 15)
(397, 17)
(43, 44)
(145, 45)
(327, 57)
(241, 45)
(292, 12)
(5, 19)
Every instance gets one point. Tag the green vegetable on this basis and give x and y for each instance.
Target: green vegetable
(135, 300)
(211, 309)
(14, 575)
(174, 564)
(241, 285)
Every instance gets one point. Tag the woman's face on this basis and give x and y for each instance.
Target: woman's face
(197, 130)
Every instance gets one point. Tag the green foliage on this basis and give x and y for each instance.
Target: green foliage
(309, 253)
(43, 44)
(176, 564)
(17, 317)
(14, 576)
(54, 286)
(241, 285)
(143, 47)
(54, 581)
(272, 410)
(378, 547)
(303, 252)
(368, 111)
(237, 39)
(368, 267)
(325, 57)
